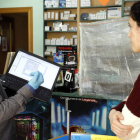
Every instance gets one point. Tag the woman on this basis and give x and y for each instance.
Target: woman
(131, 103)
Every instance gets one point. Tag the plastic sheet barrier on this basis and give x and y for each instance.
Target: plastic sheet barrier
(108, 66)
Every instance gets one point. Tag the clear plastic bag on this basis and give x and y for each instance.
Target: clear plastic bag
(108, 66)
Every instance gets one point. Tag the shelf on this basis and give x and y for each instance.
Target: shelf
(63, 45)
(59, 20)
(47, 55)
(93, 20)
(62, 31)
(101, 6)
(130, 0)
(60, 8)
(76, 94)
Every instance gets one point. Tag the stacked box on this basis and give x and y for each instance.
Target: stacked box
(48, 3)
(55, 3)
(73, 3)
(62, 3)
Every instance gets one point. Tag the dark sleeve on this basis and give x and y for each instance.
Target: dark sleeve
(15, 104)
(133, 101)
(119, 107)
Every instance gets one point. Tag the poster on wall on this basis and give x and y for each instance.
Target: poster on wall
(87, 115)
(4, 44)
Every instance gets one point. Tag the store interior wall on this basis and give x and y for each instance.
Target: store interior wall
(37, 20)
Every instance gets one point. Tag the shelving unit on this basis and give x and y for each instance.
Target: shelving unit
(62, 31)
(58, 34)
(59, 20)
(127, 3)
(94, 8)
(101, 6)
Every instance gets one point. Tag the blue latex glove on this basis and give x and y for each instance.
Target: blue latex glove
(37, 79)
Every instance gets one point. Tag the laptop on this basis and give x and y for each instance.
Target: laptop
(23, 63)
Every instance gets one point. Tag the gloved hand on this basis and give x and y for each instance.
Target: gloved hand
(37, 79)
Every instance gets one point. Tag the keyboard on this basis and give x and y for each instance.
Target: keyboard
(13, 83)
(43, 94)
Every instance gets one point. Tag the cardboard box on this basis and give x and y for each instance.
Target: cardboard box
(62, 3)
(47, 42)
(72, 18)
(53, 42)
(48, 52)
(75, 41)
(68, 4)
(61, 42)
(57, 29)
(88, 3)
(47, 28)
(52, 15)
(65, 18)
(65, 27)
(61, 15)
(83, 4)
(65, 41)
(55, 3)
(45, 15)
(72, 15)
(114, 12)
(118, 2)
(48, 15)
(73, 4)
(58, 42)
(57, 16)
(48, 3)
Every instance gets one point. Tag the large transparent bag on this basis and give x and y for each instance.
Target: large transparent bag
(108, 66)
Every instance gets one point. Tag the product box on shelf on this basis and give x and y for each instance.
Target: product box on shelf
(62, 3)
(47, 42)
(55, 3)
(56, 15)
(68, 4)
(114, 12)
(72, 18)
(48, 3)
(118, 2)
(52, 16)
(45, 15)
(47, 28)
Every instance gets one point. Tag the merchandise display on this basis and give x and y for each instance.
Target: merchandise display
(33, 123)
(108, 66)
(87, 116)
(28, 126)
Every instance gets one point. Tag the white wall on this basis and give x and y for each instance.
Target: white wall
(37, 19)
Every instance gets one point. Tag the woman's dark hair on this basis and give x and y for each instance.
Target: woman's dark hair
(135, 12)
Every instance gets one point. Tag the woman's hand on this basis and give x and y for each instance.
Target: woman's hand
(116, 126)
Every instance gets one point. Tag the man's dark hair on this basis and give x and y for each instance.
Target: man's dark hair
(135, 12)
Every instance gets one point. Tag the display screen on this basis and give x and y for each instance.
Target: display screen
(24, 64)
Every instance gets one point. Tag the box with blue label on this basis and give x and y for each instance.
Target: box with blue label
(62, 3)
(114, 12)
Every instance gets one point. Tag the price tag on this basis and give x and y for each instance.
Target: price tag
(68, 76)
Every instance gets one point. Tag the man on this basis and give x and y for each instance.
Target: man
(16, 104)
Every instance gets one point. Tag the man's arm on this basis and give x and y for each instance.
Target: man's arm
(16, 104)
